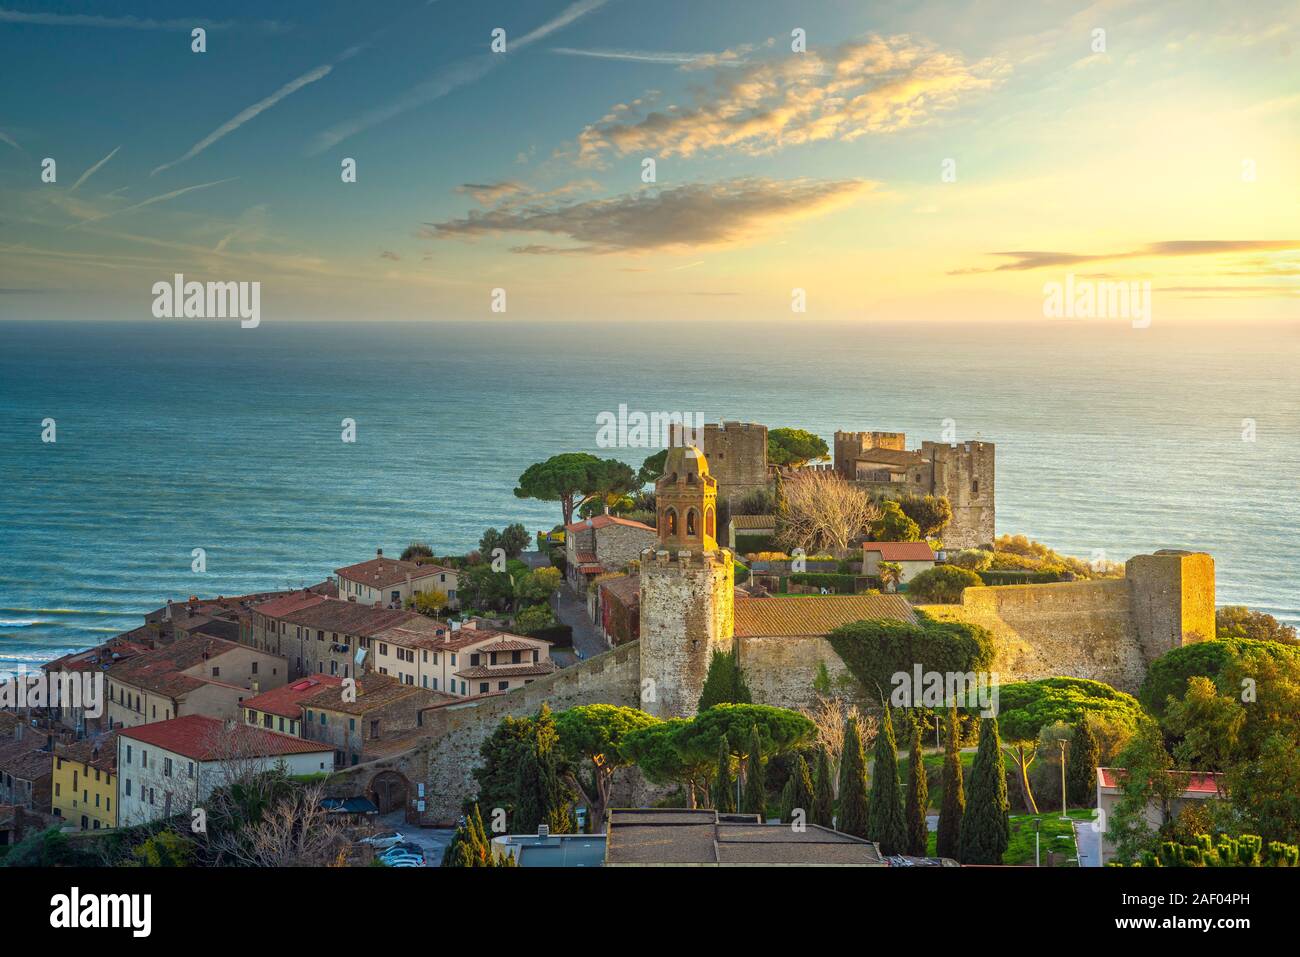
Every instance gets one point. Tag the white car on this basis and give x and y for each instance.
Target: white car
(383, 840)
(404, 860)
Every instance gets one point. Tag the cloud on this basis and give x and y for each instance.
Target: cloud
(6, 138)
(449, 78)
(488, 194)
(1038, 259)
(729, 212)
(91, 172)
(872, 86)
(687, 61)
(133, 23)
(239, 119)
(161, 198)
(513, 192)
(389, 254)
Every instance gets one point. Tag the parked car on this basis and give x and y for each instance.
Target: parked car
(405, 859)
(402, 850)
(383, 840)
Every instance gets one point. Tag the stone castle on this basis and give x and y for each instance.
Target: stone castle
(1108, 630)
(964, 473)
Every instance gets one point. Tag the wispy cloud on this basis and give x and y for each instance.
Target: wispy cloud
(91, 172)
(451, 77)
(872, 86)
(698, 61)
(242, 117)
(729, 212)
(133, 23)
(161, 198)
(1038, 259)
(9, 140)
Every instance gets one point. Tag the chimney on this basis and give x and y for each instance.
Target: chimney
(19, 729)
(543, 831)
(379, 553)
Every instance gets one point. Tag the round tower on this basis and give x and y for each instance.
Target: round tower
(687, 587)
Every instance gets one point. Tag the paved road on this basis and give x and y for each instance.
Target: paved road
(571, 610)
(1088, 841)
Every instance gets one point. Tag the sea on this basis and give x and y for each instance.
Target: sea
(177, 435)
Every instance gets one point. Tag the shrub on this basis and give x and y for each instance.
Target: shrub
(942, 584)
(841, 584)
(876, 650)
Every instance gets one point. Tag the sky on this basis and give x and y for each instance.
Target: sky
(906, 161)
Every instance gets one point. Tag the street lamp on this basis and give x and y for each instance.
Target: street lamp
(1062, 745)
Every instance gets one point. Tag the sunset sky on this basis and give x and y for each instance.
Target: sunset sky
(1172, 157)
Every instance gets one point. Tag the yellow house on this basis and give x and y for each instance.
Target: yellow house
(84, 785)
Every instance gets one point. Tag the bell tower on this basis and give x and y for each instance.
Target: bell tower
(687, 588)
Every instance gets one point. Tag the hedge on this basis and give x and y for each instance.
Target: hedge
(841, 584)
(749, 544)
(874, 651)
(1003, 577)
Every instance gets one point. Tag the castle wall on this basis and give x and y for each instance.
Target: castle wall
(965, 475)
(1084, 629)
(737, 457)
(686, 612)
(1173, 599)
(446, 761)
(781, 671)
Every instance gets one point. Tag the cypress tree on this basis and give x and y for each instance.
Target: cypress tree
(947, 843)
(787, 799)
(1081, 771)
(918, 796)
(823, 809)
(542, 797)
(985, 828)
(755, 789)
(801, 791)
(885, 823)
(724, 796)
(852, 818)
(724, 684)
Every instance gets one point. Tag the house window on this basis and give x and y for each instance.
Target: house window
(167, 767)
(482, 687)
(503, 686)
(690, 522)
(474, 661)
(514, 657)
(374, 729)
(128, 787)
(975, 486)
(216, 672)
(254, 667)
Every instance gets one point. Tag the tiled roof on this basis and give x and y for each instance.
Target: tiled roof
(589, 568)
(626, 589)
(418, 632)
(294, 601)
(464, 637)
(889, 457)
(115, 649)
(286, 700)
(382, 572)
(814, 614)
(1198, 782)
(513, 643)
(162, 670)
(24, 759)
(205, 739)
(900, 551)
(348, 617)
(681, 836)
(754, 521)
(507, 671)
(585, 558)
(373, 691)
(604, 521)
(83, 752)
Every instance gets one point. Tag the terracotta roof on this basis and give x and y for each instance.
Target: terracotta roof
(102, 656)
(603, 521)
(286, 700)
(382, 572)
(163, 670)
(418, 632)
(814, 614)
(682, 836)
(1198, 782)
(900, 551)
(205, 739)
(584, 558)
(373, 691)
(464, 637)
(24, 759)
(626, 589)
(514, 643)
(294, 601)
(591, 569)
(507, 671)
(348, 617)
(754, 521)
(889, 457)
(83, 752)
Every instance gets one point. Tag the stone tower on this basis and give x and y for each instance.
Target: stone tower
(737, 454)
(687, 588)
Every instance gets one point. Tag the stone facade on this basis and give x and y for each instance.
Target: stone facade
(737, 454)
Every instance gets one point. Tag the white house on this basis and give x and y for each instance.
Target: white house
(170, 767)
(912, 558)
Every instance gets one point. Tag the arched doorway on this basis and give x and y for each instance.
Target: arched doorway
(389, 791)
